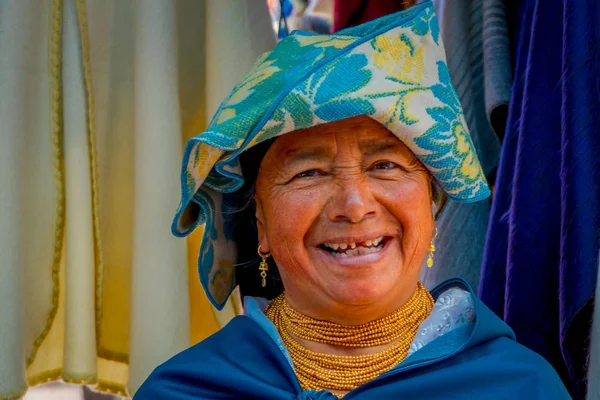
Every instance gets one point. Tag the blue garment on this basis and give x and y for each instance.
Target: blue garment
(474, 361)
(541, 256)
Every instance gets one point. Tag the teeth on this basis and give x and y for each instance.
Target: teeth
(359, 251)
(352, 250)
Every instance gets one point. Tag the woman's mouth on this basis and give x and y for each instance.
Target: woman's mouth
(353, 249)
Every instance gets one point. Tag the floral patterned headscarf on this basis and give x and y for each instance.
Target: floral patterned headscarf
(392, 69)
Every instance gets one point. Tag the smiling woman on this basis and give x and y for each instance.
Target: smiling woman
(344, 185)
(332, 159)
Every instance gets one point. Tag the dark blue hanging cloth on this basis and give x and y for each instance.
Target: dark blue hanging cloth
(541, 255)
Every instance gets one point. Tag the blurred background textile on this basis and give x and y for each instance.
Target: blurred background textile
(97, 99)
(307, 15)
(540, 262)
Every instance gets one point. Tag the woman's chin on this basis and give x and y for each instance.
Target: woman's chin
(360, 291)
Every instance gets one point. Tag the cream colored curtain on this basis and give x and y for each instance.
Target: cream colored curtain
(97, 98)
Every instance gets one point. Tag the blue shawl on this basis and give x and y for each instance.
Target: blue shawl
(480, 360)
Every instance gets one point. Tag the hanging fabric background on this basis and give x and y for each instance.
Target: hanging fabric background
(348, 13)
(541, 256)
(97, 98)
(306, 15)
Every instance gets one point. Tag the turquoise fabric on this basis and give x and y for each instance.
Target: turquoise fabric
(392, 69)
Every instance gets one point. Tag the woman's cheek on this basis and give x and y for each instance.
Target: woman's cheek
(411, 193)
(299, 205)
(288, 216)
(293, 215)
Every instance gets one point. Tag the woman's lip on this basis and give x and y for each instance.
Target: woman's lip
(357, 260)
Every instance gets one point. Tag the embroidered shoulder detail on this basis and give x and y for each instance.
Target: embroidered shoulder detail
(453, 308)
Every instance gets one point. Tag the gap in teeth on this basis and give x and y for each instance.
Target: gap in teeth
(357, 251)
(353, 246)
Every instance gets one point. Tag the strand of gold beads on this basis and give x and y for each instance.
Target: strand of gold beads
(326, 371)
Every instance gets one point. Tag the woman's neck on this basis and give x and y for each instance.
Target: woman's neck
(351, 314)
(320, 348)
(328, 348)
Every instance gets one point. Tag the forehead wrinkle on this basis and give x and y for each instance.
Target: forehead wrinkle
(313, 153)
(371, 147)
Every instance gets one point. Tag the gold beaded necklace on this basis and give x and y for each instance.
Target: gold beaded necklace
(319, 371)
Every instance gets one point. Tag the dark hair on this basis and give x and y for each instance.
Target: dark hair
(246, 233)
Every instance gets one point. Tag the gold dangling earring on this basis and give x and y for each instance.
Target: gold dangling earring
(431, 248)
(263, 267)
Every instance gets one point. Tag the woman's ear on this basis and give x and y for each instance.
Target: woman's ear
(438, 199)
(260, 226)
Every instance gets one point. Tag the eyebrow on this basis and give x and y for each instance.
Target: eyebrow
(370, 148)
(380, 146)
(311, 154)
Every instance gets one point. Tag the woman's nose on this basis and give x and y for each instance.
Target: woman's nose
(352, 202)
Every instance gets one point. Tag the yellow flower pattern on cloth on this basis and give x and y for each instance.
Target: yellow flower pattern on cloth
(263, 70)
(326, 41)
(469, 165)
(398, 57)
(392, 69)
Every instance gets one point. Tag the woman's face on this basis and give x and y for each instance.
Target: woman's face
(345, 209)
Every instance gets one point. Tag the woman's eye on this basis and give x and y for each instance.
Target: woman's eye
(311, 173)
(385, 165)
